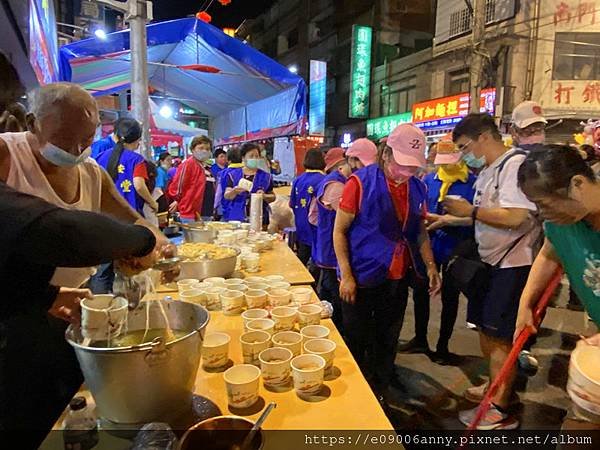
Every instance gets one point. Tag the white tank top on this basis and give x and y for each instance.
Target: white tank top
(25, 175)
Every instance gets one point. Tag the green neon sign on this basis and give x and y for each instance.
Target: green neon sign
(383, 126)
(360, 75)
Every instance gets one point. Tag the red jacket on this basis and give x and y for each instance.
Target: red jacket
(187, 188)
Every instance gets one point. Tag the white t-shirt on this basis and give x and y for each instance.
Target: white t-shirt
(494, 242)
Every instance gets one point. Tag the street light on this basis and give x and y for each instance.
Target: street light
(293, 68)
(100, 34)
(166, 111)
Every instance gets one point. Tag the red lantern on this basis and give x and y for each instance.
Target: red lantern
(224, 2)
(203, 16)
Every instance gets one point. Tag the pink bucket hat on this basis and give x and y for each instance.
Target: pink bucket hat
(408, 145)
(447, 153)
(364, 150)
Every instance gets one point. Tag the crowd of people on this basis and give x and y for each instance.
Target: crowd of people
(374, 222)
(468, 216)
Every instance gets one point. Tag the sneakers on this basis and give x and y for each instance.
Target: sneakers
(414, 346)
(494, 419)
(445, 358)
(476, 393)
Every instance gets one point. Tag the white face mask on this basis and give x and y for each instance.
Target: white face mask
(62, 158)
(202, 155)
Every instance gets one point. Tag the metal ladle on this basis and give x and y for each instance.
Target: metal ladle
(250, 436)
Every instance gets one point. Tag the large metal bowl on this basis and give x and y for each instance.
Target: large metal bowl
(221, 433)
(206, 268)
(198, 232)
(148, 382)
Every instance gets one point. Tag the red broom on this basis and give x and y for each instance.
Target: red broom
(538, 312)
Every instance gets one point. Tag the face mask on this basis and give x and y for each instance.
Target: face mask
(62, 158)
(472, 161)
(263, 153)
(401, 172)
(252, 163)
(202, 155)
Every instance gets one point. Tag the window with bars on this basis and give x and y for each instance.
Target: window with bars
(462, 21)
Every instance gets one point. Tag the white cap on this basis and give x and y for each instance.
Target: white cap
(527, 113)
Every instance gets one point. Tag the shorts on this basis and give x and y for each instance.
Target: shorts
(495, 312)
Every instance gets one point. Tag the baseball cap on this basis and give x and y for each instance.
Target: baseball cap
(408, 145)
(333, 156)
(527, 113)
(364, 150)
(447, 153)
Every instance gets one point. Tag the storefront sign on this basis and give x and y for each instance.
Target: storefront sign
(360, 71)
(447, 111)
(43, 41)
(318, 92)
(382, 126)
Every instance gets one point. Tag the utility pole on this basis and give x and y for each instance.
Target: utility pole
(138, 13)
(477, 54)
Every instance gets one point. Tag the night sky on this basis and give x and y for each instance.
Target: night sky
(231, 15)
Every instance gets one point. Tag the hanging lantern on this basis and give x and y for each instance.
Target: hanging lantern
(204, 16)
(224, 2)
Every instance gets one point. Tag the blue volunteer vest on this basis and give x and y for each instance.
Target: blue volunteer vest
(375, 231)
(304, 190)
(124, 181)
(445, 240)
(236, 209)
(323, 253)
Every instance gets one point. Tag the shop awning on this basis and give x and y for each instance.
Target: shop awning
(245, 92)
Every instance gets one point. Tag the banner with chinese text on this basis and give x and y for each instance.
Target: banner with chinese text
(447, 111)
(360, 71)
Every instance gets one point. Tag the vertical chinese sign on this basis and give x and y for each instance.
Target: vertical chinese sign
(318, 91)
(360, 75)
(43, 41)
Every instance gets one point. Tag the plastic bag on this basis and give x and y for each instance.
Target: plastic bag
(155, 436)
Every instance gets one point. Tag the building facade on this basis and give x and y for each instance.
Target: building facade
(294, 32)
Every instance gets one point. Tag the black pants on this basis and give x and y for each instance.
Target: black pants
(329, 289)
(39, 374)
(420, 288)
(450, 296)
(304, 252)
(381, 308)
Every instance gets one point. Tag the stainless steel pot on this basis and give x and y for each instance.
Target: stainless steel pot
(198, 232)
(149, 382)
(206, 268)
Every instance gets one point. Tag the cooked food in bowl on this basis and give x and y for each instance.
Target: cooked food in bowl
(200, 250)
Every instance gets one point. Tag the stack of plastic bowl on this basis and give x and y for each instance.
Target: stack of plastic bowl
(584, 381)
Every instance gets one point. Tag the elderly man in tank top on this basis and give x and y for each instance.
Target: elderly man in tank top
(51, 161)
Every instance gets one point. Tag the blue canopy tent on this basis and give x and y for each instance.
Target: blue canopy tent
(248, 95)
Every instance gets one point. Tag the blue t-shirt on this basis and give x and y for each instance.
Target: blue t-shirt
(162, 178)
(445, 240)
(102, 145)
(216, 170)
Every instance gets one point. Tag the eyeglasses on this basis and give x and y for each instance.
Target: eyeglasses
(464, 146)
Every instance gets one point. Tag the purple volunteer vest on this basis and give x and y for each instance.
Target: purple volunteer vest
(236, 209)
(304, 190)
(323, 253)
(375, 231)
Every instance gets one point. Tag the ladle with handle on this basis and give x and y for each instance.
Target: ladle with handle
(250, 436)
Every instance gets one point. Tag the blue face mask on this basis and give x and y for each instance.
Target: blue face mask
(472, 161)
(252, 163)
(62, 158)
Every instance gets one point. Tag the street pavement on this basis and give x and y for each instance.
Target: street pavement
(433, 393)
